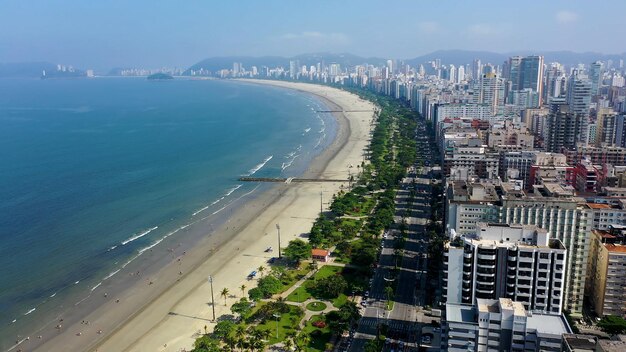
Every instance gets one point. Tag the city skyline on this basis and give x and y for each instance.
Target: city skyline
(167, 34)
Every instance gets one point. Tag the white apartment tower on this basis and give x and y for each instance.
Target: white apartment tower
(519, 262)
(501, 325)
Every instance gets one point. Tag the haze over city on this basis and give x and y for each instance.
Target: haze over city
(109, 34)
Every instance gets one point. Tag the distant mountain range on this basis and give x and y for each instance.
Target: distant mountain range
(456, 57)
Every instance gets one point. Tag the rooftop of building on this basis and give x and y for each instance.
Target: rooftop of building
(496, 306)
(612, 345)
(615, 248)
(494, 190)
(615, 189)
(548, 324)
(460, 313)
(580, 343)
(598, 206)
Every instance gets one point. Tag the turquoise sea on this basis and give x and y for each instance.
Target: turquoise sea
(93, 172)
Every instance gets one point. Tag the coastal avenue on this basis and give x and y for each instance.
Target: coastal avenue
(407, 323)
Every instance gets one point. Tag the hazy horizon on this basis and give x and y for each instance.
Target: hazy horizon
(147, 34)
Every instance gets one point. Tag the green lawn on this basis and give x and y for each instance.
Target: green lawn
(316, 306)
(340, 301)
(286, 323)
(319, 337)
(365, 206)
(295, 274)
(299, 295)
(326, 271)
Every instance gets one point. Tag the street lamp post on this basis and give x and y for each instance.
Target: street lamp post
(277, 316)
(212, 298)
(321, 203)
(278, 229)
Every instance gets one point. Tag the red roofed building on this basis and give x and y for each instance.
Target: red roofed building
(320, 255)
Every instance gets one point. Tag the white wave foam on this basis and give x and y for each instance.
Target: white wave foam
(150, 246)
(200, 210)
(112, 248)
(218, 210)
(286, 165)
(319, 141)
(81, 301)
(95, 287)
(161, 239)
(137, 236)
(111, 274)
(259, 166)
(76, 283)
(30, 311)
(307, 130)
(13, 321)
(52, 295)
(230, 191)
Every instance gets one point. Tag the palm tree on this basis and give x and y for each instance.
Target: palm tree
(261, 269)
(290, 339)
(389, 293)
(224, 294)
(256, 339)
(231, 342)
(243, 290)
(303, 340)
(240, 336)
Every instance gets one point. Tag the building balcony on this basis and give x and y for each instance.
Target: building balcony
(487, 266)
(526, 259)
(488, 292)
(487, 256)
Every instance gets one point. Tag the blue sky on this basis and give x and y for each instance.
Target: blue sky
(153, 33)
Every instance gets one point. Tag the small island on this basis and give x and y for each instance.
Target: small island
(160, 76)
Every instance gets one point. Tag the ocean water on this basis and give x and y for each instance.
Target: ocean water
(93, 172)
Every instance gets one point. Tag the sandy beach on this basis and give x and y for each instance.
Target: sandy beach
(169, 309)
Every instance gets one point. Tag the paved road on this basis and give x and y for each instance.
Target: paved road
(405, 321)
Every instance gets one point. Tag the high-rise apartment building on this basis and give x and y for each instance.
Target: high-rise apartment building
(519, 262)
(595, 76)
(565, 128)
(607, 268)
(531, 73)
(579, 94)
(501, 325)
(550, 206)
(491, 91)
